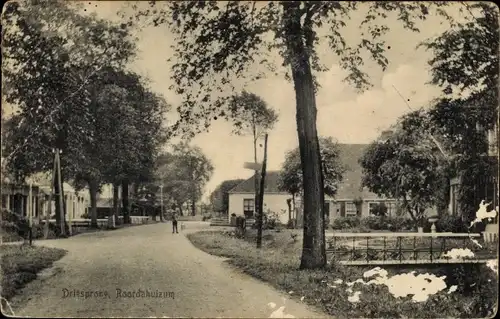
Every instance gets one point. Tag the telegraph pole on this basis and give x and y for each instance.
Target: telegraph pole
(59, 193)
(261, 196)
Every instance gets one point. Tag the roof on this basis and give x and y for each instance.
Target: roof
(270, 184)
(350, 188)
(351, 184)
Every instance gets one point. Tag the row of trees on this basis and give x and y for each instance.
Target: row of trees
(66, 73)
(210, 54)
(183, 172)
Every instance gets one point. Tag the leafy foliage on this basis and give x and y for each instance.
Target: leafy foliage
(49, 52)
(220, 196)
(251, 114)
(65, 73)
(291, 173)
(407, 166)
(216, 43)
(474, 62)
(466, 60)
(184, 172)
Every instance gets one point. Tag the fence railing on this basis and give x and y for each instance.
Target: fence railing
(406, 248)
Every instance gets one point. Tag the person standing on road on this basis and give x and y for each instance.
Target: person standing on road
(174, 224)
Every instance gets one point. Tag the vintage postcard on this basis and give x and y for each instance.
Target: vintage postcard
(249, 159)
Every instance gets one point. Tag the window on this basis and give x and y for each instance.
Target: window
(248, 207)
(350, 209)
(371, 207)
(379, 208)
(391, 208)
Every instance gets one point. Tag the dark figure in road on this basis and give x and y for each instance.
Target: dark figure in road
(174, 225)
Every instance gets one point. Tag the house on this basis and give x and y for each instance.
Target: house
(350, 200)
(16, 198)
(76, 202)
(22, 199)
(105, 201)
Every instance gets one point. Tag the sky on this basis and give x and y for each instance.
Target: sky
(344, 114)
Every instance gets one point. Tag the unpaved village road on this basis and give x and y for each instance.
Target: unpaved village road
(150, 258)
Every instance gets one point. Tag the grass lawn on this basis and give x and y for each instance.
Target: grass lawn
(21, 263)
(278, 264)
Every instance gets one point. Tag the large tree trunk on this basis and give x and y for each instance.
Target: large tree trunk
(193, 205)
(313, 251)
(125, 202)
(113, 214)
(289, 204)
(57, 196)
(93, 188)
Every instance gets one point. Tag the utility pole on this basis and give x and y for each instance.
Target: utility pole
(59, 193)
(261, 196)
(49, 208)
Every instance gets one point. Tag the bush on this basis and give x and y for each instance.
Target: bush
(476, 283)
(375, 223)
(270, 220)
(449, 223)
(14, 224)
(39, 231)
(346, 223)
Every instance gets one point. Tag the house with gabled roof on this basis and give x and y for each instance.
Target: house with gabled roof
(351, 199)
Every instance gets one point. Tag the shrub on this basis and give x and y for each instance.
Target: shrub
(449, 223)
(14, 223)
(476, 283)
(375, 223)
(270, 220)
(345, 222)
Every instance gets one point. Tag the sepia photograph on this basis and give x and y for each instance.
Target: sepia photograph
(249, 159)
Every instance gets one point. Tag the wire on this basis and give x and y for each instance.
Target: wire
(430, 134)
(56, 108)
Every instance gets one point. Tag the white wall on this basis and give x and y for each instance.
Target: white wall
(274, 202)
(76, 203)
(107, 191)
